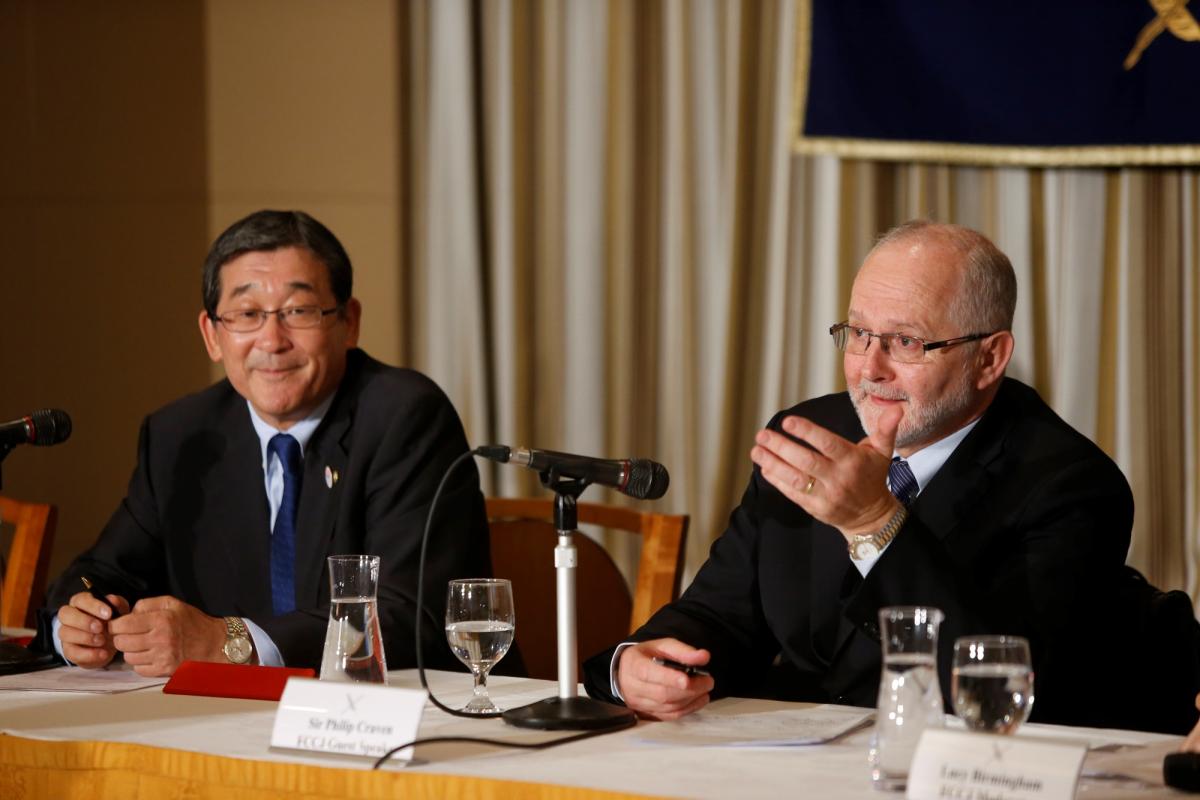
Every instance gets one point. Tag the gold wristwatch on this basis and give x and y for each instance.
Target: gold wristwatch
(870, 545)
(238, 648)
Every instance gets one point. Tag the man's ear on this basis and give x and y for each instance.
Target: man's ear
(994, 354)
(352, 314)
(208, 332)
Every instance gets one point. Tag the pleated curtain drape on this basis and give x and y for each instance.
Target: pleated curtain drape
(608, 248)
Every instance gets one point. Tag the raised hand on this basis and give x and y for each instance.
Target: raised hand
(839, 482)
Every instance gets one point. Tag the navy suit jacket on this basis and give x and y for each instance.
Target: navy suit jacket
(195, 521)
(1023, 531)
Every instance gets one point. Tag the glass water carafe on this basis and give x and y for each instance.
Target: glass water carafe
(353, 640)
(910, 699)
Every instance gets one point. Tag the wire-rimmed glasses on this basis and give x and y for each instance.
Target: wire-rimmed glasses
(248, 320)
(902, 347)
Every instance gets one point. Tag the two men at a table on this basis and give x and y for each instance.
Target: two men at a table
(935, 480)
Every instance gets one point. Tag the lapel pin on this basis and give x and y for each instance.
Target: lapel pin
(331, 477)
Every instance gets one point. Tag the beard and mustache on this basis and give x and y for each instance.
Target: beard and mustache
(923, 422)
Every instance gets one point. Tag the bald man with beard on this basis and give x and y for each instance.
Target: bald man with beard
(997, 512)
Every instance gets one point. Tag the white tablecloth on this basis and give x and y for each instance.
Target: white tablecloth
(619, 762)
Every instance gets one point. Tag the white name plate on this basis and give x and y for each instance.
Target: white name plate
(357, 719)
(959, 765)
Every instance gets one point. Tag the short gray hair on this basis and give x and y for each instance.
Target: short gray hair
(987, 296)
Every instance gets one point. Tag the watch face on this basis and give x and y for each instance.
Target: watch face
(238, 650)
(865, 550)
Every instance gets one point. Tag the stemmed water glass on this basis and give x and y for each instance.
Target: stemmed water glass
(992, 682)
(479, 627)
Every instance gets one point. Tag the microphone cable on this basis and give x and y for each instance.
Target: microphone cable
(383, 759)
(421, 660)
(421, 594)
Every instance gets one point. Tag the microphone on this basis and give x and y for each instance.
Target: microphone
(42, 428)
(636, 477)
(1182, 771)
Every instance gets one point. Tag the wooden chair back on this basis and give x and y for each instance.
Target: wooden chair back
(523, 540)
(28, 559)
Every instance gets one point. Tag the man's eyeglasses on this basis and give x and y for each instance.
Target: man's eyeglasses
(899, 346)
(248, 320)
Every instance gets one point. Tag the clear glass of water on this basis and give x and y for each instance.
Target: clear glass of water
(479, 627)
(353, 640)
(992, 682)
(910, 696)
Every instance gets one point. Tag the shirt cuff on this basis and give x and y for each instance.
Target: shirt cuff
(864, 565)
(55, 624)
(268, 653)
(612, 670)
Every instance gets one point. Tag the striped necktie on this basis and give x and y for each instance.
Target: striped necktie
(283, 537)
(901, 481)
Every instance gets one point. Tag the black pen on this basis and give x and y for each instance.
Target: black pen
(94, 592)
(685, 668)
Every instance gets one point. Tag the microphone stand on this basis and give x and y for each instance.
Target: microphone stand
(567, 711)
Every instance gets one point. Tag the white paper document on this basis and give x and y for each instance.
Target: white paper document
(113, 679)
(806, 725)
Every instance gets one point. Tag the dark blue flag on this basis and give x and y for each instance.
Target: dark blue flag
(1016, 81)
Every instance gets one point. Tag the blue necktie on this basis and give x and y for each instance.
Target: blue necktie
(901, 481)
(283, 538)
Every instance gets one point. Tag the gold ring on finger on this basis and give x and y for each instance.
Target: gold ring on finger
(811, 482)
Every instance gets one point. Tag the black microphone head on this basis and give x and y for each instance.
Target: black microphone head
(50, 426)
(1182, 771)
(494, 452)
(648, 480)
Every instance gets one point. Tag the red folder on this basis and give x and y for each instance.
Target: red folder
(212, 679)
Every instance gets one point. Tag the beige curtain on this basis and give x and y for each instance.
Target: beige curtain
(608, 248)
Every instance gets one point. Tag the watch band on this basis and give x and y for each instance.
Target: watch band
(881, 537)
(238, 648)
(235, 628)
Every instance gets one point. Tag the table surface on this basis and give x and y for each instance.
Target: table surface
(621, 763)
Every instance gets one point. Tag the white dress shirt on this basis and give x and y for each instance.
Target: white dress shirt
(302, 431)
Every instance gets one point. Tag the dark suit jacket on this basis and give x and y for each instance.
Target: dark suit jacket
(1024, 531)
(195, 522)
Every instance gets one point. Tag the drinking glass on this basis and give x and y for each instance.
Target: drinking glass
(992, 682)
(479, 627)
(353, 640)
(910, 698)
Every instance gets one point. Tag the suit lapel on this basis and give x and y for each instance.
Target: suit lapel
(831, 569)
(955, 490)
(320, 495)
(830, 566)
(950, 497)
(958, 487)
(244, 526)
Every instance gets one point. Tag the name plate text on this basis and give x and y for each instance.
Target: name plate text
(357, 719)
(960, 765)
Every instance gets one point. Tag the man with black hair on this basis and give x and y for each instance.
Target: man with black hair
(308, 448)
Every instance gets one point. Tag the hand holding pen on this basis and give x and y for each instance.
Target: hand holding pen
(83, 626)
(663, 678)
(96, 593)
(687, 669)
